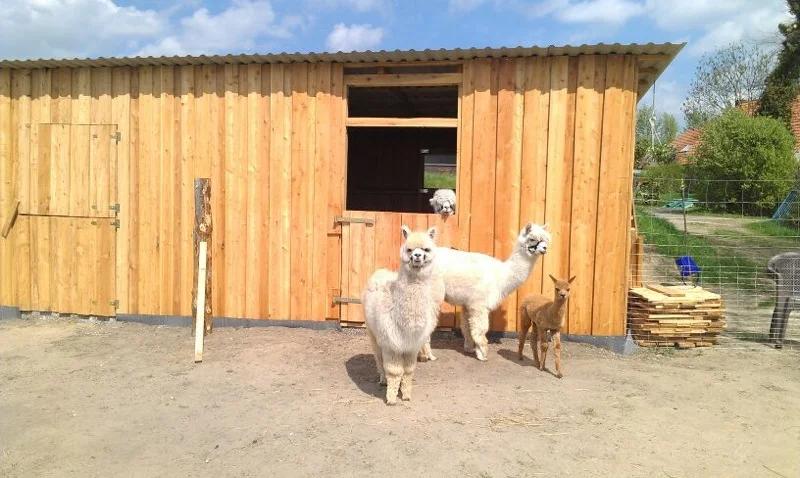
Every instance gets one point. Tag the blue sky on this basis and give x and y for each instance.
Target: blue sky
(90, 28)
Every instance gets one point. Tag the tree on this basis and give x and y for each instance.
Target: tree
(747, 163)
(654, 133)
(723, 79)
(782, 83)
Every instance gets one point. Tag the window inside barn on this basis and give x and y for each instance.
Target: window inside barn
(401, 145)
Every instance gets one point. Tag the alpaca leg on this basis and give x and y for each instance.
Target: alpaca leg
(469, 344)
(406, 383)
(393, 367)
(557, 353)
(525, 324)
(478, 327)
(541, 339)
(426, 353)
(535, 345)
(378, 358)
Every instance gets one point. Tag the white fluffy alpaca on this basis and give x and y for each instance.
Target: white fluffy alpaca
(444, 202)
(401, 310)
(479, 283)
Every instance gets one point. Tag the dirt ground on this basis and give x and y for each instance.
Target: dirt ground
(80, 398)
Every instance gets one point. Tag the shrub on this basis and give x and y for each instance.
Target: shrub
(659, 183)
(748, 162)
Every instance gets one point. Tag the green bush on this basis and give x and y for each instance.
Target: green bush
(659, 183)
(747, 162)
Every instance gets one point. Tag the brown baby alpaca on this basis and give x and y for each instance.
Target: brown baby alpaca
(547, 317)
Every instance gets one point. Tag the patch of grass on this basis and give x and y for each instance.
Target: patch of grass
(439, 180)
(717, 268)
(774, 229)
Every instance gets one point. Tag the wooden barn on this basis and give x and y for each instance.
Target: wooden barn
(314, 160)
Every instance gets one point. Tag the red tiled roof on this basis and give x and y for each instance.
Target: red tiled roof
(684, 143)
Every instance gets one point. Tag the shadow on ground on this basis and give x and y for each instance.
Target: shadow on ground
(362, 371)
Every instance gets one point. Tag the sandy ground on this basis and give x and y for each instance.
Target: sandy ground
(81, 398)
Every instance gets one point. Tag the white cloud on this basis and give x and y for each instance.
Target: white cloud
(614, 12)
(756, 23)
(87, 28)
(683, 14)
(236, 29)
(70, 28)
(354, 37)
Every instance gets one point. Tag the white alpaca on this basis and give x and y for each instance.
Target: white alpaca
(479, 283)
(444, 202)
(401, 310)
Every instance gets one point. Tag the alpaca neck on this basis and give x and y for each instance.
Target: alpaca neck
(558, 309)
(411, 293)
(408, 276)
(519, 267)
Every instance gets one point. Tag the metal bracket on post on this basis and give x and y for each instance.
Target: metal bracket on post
(116, 136)
(345, 300)
(354, 220)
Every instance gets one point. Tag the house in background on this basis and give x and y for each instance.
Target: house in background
(686, 142)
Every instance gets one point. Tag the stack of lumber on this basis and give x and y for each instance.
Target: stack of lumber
(682, 316)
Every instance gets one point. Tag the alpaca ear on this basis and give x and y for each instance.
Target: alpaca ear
(571, 279)
(545, 227)
(528, 228)
(554, 279)
(406, 231)
(432, 232)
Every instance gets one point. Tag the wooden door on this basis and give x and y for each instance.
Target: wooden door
(370, 241)
(73, 170)
(71, 216)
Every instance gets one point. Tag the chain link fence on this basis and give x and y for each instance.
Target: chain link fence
(718, 235)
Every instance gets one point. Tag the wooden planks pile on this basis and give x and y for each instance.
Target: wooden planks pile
(680, 316)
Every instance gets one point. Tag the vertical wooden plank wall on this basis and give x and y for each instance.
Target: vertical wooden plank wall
(547, 140)
(271, 137)
(541, 139)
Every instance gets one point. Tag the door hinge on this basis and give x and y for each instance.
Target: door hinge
(114, 303)
(354, 220)
(116, 136)
(114, 207)
(345, 300)
(115, 223)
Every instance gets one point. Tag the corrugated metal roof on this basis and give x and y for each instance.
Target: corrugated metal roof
(662, 55)
(669, 49)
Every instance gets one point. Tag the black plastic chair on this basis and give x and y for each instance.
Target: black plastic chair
(786, 271)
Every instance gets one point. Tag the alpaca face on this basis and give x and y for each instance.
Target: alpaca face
(444, 202)
(446, 207)
(562, 286)
(419, 248)
(534, 239)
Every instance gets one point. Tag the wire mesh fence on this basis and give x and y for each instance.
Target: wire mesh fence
(714, 240)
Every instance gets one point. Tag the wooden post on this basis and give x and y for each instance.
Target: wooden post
(202, 233)
(199, 317)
